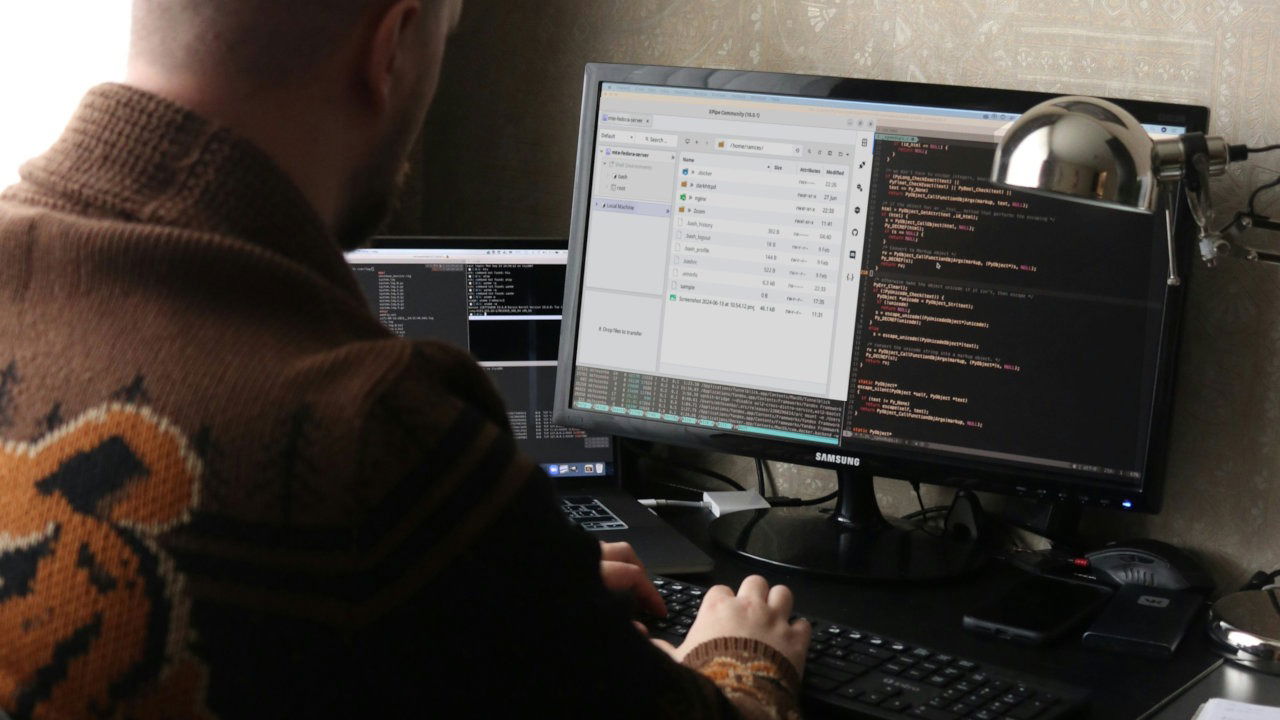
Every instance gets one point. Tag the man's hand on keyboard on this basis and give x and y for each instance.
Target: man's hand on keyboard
(622, 571)
(757, 611)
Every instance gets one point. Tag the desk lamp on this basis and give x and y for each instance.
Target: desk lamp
(1094, 151)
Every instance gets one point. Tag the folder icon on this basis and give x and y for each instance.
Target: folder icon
(684, 183)
(721, 144)
(682, 209)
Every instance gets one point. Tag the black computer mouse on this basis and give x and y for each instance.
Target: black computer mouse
(1150, 563)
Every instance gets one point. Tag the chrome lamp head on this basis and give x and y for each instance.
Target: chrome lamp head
(1095, 151)
(1082, 148)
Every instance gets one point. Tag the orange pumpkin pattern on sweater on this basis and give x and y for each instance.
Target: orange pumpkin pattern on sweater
(93, 616)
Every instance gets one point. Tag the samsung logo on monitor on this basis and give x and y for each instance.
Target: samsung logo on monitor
(837, 459)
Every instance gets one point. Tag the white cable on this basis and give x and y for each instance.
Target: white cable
(659, 502)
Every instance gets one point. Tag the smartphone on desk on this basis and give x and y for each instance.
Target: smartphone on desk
(1037, 610)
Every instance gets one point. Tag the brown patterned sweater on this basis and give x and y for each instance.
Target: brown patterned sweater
(227, 491)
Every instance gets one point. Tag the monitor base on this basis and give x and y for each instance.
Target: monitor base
(853, 541)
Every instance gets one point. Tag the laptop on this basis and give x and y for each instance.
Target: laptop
(500, 298)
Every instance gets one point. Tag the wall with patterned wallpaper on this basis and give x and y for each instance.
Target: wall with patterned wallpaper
(499, 148)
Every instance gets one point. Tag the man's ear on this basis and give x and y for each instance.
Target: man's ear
(393, 39)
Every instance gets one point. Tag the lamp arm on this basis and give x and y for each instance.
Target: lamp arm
(1206, 158)
(1170, 206)
(1230, 238)
(1196, 173)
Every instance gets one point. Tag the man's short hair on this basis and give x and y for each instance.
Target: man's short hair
(261, 41)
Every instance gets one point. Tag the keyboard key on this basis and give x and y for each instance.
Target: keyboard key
(872, 698)
(897, 704)
(851, 692)
(864, 659)
(1028, 710)
(961, 708)
(931, 713)
(892, 668)
(841, 665)
(839, 676)
(821, 682)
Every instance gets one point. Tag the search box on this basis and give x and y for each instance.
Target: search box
(627, 137)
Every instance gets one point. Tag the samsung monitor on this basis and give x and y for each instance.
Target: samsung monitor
(815, 270)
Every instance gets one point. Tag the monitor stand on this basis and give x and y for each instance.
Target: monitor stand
(854, 541)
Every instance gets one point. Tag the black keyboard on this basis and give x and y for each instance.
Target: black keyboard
(871, 675)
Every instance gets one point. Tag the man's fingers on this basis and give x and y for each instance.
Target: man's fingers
(805, 628)
(667, 648)
(755, 587)
(780, 599)
(640, 626)
(625, 576)
(716, 593)
(620, 552)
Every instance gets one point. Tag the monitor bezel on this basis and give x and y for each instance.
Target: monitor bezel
(1039, 484)
(463, 242)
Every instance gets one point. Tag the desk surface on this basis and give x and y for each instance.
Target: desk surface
(1123, 687)
(1229, 681)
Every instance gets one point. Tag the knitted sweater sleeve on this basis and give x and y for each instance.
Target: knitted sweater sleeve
(493, 602)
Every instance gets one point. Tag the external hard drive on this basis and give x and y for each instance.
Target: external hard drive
(1144, 621)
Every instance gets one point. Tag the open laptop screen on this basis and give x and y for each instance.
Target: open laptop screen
(503, 305)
